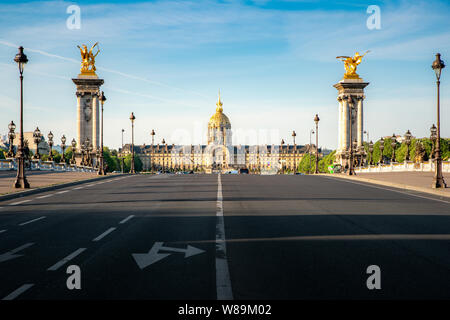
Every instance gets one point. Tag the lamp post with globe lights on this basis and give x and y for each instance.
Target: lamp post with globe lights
(74, 149)
(50, 144)
(21, 180)
(381, 150)
(408, 136)
(63, 148)
(393, 145)
(11, 137)
(132, 118)
(438, 182)
(37, 139)
(316, 120)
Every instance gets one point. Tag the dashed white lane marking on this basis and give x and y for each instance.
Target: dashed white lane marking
(31, 221)
(18, 291)
(1, 231)
(64, 191)
(20, 202)
(46, 196)
(78, 188)
(223, 282)
(59, 264)
(89, 185)
(104, 234)
(126, 219)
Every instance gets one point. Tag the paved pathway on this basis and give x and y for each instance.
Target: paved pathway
(41, 179)
(419, 181)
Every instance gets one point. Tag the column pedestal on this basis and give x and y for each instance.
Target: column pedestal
(350, 116)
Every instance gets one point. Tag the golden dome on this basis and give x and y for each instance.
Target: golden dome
(219, 119)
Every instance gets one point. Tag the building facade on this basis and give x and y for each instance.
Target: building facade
(219, 155)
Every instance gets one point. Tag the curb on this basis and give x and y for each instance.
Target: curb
(394, 185)
(21, 194)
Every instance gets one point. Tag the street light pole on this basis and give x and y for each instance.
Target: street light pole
(132, 118)
(63, 147)
(122, 162)
(408, 143)
(351, 170)
(393, 145)
(309, 149)
(21, 180)
(50, 144)
(438, 182)
(11, 136)
(316, 120)
(381, 150)
(101, 167)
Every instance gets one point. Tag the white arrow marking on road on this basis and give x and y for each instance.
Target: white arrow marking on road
(145, 259)
(11, 254)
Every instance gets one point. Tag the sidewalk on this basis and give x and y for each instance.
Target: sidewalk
(417, 181)
(40, 179)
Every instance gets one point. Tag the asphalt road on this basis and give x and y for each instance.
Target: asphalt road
(233, 237)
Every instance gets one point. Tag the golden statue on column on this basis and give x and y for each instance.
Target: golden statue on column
(88, 59)
(350, 64)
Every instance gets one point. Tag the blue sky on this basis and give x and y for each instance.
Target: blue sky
(274, 62)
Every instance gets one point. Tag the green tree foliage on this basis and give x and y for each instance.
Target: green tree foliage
(2, 154)
(138, 165)
(56, 156)
(326, 161)
(307, 166)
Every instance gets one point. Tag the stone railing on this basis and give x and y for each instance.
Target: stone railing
(35, 165)
(404, 166)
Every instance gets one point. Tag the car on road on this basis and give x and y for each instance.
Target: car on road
(243, 171)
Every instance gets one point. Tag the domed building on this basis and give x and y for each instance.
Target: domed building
(219, 127)
(219, 154)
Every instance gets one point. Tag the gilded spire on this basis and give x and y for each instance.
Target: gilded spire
(219, 104)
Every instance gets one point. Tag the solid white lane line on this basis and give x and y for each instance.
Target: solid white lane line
(104, 234)
(16, 203)
(59, 264)
(24, 223)
(18, 291)
(223, 282)
(1, 231)
(126, 219)
(64, 191)
(46, 196)
(373, 185)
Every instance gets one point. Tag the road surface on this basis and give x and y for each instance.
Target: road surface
(227, 237)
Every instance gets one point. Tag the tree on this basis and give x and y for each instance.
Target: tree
(137, 163)
(307, 166)
(2, 154)
(327, 161)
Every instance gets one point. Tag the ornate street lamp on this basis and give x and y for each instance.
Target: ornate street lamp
(293, 136)
(89, 149)
(153, 136)
(50, 144)
(316, 120)
(393, 145)
(371, 152)
(63, 147)
(433, 136)
(309, 149)
(83, 151)
(37, 139)
(11, 137)
(101, 168)
(351, 170)
(381, 150)
(367, 134)
(74, 149)
(438, 182)
(132, 118)
(21, 180)
(408, 136)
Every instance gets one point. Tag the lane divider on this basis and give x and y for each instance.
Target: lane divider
(104, 234)
(18, 291)
(63, 261)
(31, 221)
(126, 219)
